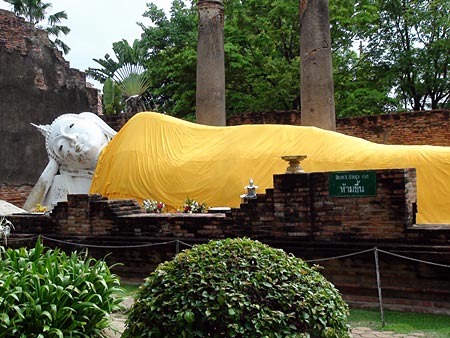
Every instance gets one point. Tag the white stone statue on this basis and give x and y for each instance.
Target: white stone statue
(73, 143)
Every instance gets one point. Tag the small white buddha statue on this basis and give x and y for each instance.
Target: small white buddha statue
(73, 143)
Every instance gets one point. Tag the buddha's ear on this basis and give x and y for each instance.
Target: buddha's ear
(107, 130)
(45, 129)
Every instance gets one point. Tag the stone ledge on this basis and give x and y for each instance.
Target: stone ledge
(429, 227)
(175, 215)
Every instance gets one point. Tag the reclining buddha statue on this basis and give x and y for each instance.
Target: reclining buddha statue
(159, 157)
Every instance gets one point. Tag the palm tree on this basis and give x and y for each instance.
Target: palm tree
(124, 53)
(32, 10)
(133, 83)
(35, 11)
(54, 29)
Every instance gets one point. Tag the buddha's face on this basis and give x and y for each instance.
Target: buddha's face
(76, 143)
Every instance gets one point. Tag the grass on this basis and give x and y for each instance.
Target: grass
(435, 326)
(129, 289)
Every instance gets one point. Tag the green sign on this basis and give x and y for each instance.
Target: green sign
(352, 183)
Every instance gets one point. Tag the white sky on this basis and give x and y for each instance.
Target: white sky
(96, 24)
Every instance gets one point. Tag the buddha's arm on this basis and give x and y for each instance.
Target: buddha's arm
(37, 194)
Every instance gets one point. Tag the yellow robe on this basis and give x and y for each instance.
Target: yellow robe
(163, 158)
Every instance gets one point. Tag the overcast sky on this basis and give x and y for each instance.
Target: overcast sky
(96, 24)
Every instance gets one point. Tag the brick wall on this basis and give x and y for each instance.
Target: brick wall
(16, 32)
(16, 195)
(297, 215)
(117, 121)
(298, 207)
(423, 127)
(413, 128)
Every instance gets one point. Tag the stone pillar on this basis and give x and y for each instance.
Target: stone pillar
(210, 95)
(316, 73)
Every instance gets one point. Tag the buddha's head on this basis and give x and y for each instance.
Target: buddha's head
(75, 141)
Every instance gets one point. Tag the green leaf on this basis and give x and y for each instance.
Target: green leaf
(5, 319)
(47, 314)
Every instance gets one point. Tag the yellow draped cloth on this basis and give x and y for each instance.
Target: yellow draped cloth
(163, 158)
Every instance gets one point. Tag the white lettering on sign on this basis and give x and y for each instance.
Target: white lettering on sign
(349, 189)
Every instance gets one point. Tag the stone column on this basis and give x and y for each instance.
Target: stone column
(316, 73)
(210, 95)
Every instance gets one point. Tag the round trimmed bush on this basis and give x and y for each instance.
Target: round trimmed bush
(237, 288)
(47, 293)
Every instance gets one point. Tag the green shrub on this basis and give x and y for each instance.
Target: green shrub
(46, 293)
(237, 288)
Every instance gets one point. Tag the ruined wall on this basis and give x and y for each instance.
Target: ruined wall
(298, 207)
(36, 85)
(413, 128)
(422, 127)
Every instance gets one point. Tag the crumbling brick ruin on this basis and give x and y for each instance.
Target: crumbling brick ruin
(36, 85)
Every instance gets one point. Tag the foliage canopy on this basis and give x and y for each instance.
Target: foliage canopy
(388, 55)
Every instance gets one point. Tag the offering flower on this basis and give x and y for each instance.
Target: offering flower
(153, 206)
(193, 207)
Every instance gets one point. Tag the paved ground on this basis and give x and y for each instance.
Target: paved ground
(357, 332)
(118, 320)
(365, 332)
(118, 324)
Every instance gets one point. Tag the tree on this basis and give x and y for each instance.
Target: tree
(262, 44)
(410, 44)
(133, 82)
(172, 57)
(359, 88)
(262, 55)
(55, 30)
(127, 75)
(125, 53)
(35, 11)
(32, 10)
(262, 62)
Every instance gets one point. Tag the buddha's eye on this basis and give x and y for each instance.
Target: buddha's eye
(71, 125)
(60, 147)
